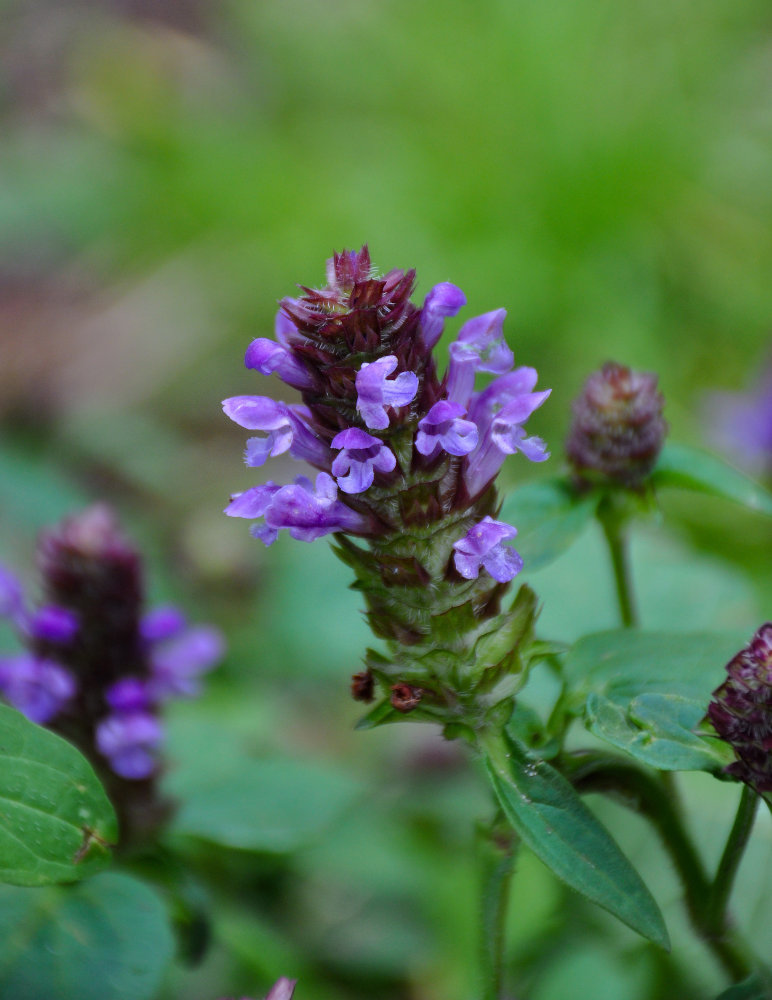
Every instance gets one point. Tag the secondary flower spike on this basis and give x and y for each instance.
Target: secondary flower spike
(406, 462)
(618, 428)
(97, 667)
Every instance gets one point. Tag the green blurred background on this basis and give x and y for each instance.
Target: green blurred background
(168, 170)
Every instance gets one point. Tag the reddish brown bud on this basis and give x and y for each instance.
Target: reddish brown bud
(618, 428)
(362, 685)
(405, 697)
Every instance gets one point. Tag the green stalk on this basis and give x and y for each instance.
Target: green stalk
(716, 912)
(598, 772)
(497, 849)
(613, 525)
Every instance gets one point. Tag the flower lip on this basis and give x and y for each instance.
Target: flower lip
(483, 547)
(375, 391)
(361, 456)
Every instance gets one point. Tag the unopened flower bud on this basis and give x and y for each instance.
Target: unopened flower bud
(618, 428)
(741, 711)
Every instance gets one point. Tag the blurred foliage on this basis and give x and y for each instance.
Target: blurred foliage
(169, 169)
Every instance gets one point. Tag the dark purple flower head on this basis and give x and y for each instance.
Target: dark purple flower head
(444, 427)
(361, 456)
(39, 688)
(618, 428)
(741, 711)
(375, 391)
(483, 547)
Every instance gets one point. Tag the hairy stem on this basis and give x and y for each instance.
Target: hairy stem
(598, 772)
(716, 912)
(497, 848)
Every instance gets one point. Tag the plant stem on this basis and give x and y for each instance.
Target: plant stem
(598, 772)
(716, 915)
(497, 848)
(616, 538)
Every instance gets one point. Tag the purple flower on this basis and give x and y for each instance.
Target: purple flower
(267, 356)
(177, 663)
(741, 423)
(480, 347)
(309, 514)
(361, 456)
(499, 412)
(254, 502)
(483, 545)
(129, 694)
(284, 426)
(37, 687)
(443, 427)
(130, 741)
(52, 624)
(443, 300)
(375, 392)
(161, 623)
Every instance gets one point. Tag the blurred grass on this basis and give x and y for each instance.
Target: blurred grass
(169, 170)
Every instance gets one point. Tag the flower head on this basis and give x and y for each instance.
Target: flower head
(97, 667)
(741, 711)
(618, 428)
(406, 458)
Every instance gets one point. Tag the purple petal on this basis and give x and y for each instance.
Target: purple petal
(308, 515)
(443, 427)
(252, 503)
(375, 392)
(442, 301)
(483, 338)
(53, 624)
(282, 989)
(483, 547)
(37, 687)
(177, 663)
(266, 356)
(129, 694)
(161, 623)
(360, 457)
(130, 741)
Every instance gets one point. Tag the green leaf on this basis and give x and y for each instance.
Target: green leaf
(56, 822)
(657, 729)
(552, 820)
(624, 663)
(271, 805)
(691, 469)
(549, 516)
(104, 939)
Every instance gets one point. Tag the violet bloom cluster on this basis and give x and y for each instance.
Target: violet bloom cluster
(96, 667)
(375, 417)
(406, 459)
(741, 711)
